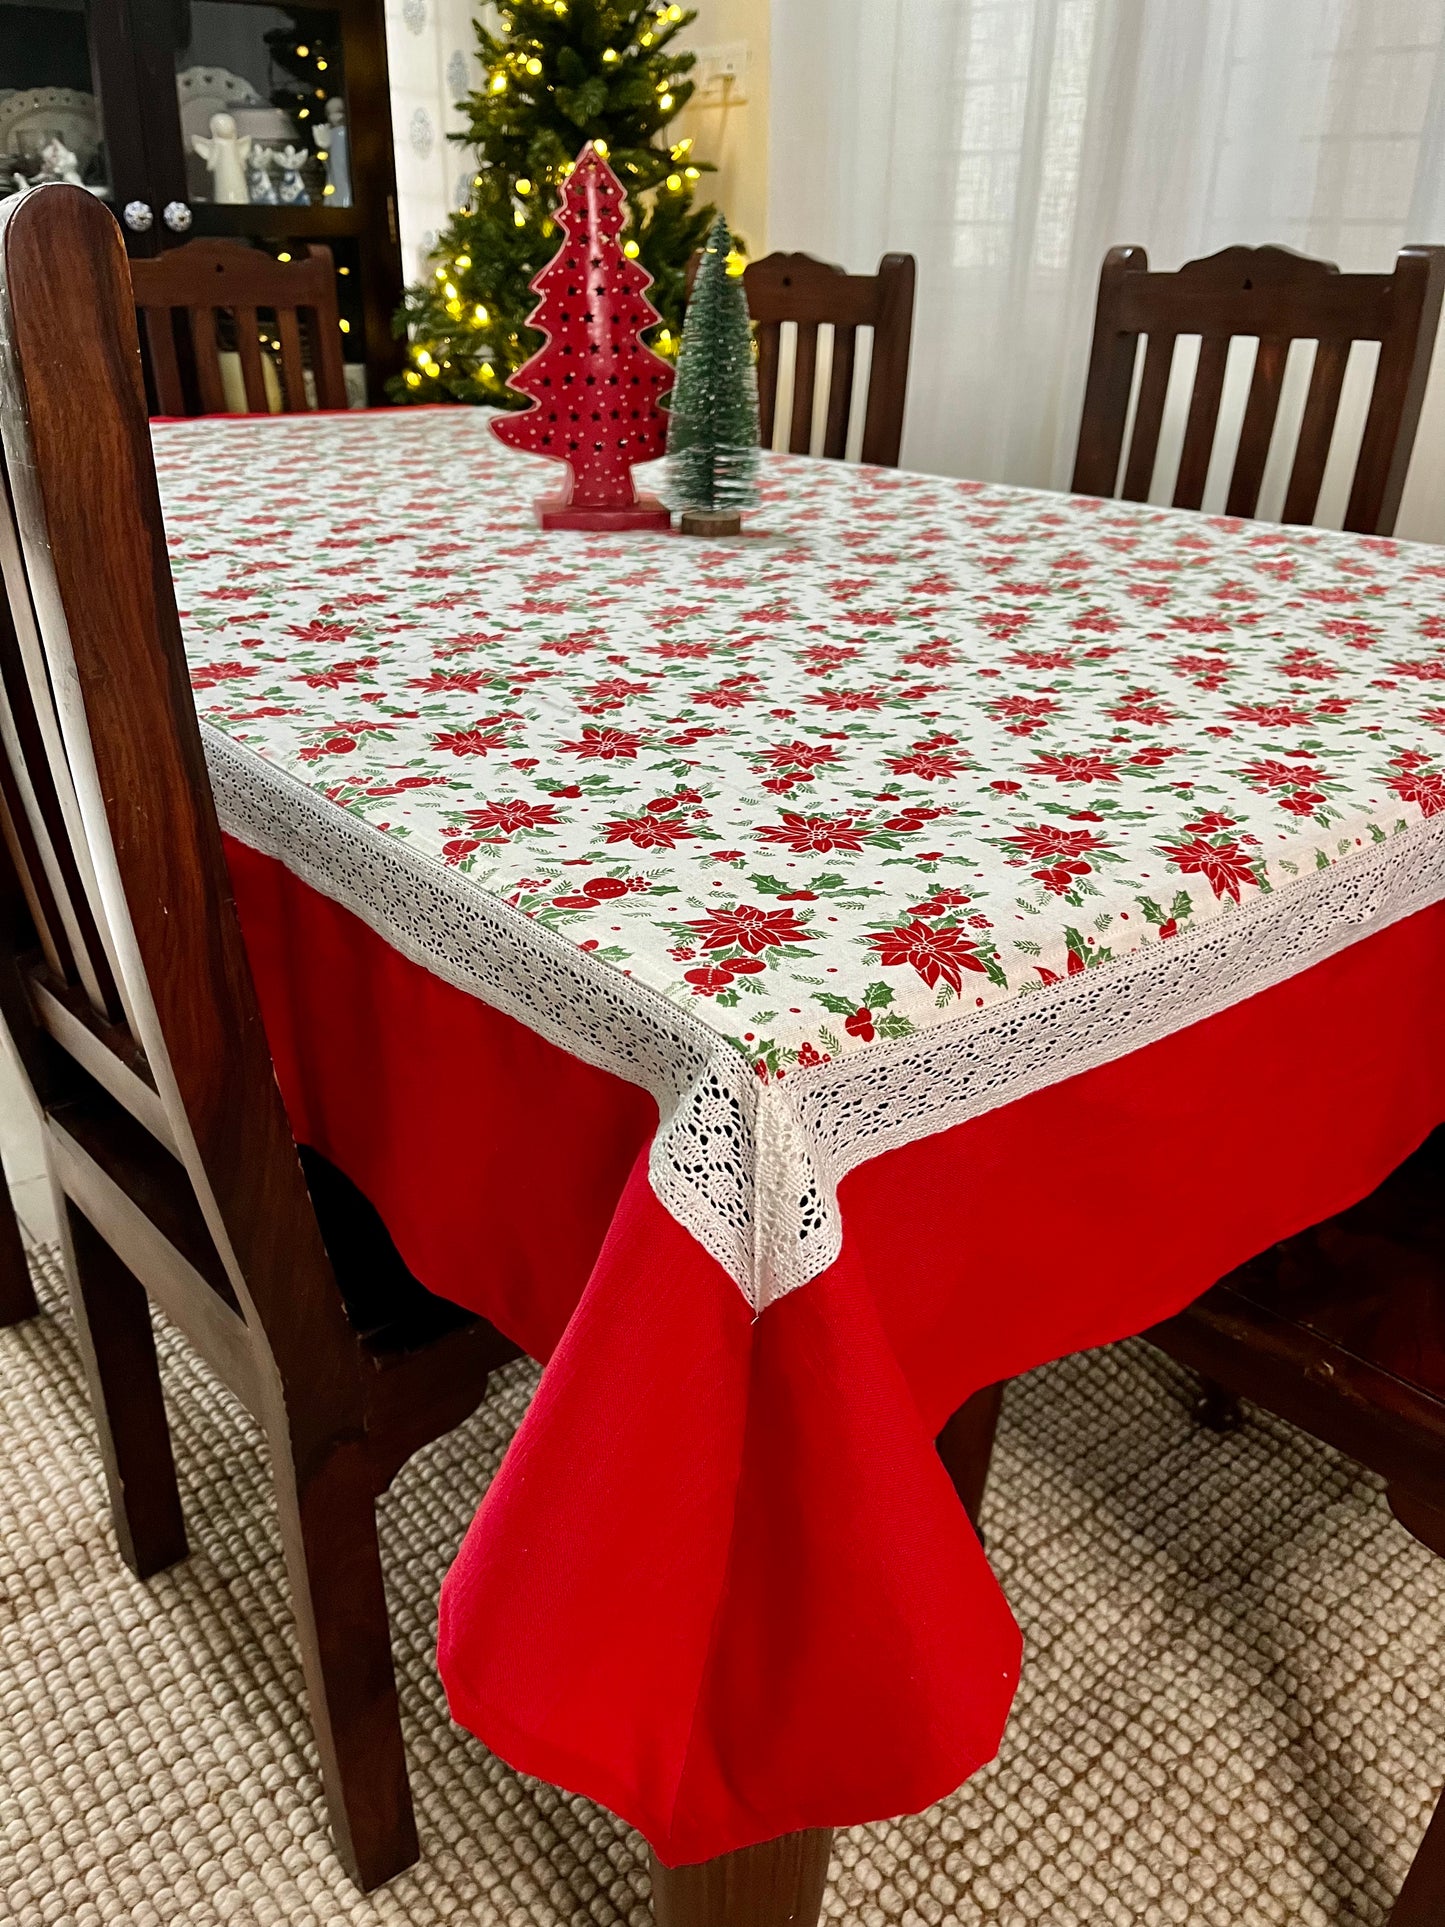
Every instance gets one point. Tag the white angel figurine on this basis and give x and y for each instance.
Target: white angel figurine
(331, 138)
(292, 191)
(225, 155)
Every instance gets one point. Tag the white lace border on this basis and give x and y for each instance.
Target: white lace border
(753, 1170)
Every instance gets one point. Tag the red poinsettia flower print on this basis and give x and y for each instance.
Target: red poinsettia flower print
(799, 755)
(803, 834)
(1200, 625)
(927, 765)
(749, 927)
(337, 674)
(442, 680)
(1067, 767)
(1270, 715)
(650, 831)
(1142, 706)
(842, 700)
(1021, 715)
(605, 745)
(470, 742)
(940, 953)
(215, 672)
(1224, 866)
(511, 813)
(1044, 840)
(321, 631)
(1268, 773)
(1424, 787)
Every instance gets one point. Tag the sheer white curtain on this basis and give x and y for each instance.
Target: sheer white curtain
(1009, 143)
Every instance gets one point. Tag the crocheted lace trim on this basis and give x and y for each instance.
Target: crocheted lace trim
(752, 1170)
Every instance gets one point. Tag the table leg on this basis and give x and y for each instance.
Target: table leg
(777, 1884)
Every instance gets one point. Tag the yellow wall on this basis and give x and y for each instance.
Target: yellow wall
(734, 136)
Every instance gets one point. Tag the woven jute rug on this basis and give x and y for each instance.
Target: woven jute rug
(1231, 1711)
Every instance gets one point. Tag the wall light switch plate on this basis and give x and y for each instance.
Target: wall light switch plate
(721, 74)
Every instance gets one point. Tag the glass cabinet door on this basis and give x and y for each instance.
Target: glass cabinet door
(50, 123)
(261, 92)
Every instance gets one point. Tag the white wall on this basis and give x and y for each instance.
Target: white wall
(731, 129)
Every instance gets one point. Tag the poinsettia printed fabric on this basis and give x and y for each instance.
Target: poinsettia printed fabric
(921, 794)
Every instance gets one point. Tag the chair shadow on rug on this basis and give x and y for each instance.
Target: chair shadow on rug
(125, 987)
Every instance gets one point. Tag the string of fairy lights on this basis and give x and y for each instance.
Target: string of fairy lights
(522, 67)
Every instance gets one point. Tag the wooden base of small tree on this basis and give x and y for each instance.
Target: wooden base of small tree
(554, 512)
(711, 522)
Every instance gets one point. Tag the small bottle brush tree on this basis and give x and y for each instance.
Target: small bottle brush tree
(712, 432)
(556, 73)
(596, 386)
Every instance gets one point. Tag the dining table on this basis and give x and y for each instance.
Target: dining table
(790, 984)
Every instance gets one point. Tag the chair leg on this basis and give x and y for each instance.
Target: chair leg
(966, 1447)
(118, 1348)
(328, 1527)
(17, 1293)
(1217, 1409)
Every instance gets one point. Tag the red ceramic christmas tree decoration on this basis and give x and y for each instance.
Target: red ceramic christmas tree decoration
(595, 386)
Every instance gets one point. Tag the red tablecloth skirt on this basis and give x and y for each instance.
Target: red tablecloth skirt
(721, 1582)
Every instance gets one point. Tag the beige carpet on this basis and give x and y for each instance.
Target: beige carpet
(1232, 1707)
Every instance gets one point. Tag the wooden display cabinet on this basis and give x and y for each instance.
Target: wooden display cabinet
(117, 93)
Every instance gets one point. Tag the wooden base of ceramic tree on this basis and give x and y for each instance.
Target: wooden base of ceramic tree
(553, 512)
(719, 522)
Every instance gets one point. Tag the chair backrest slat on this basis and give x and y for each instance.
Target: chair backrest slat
(1276, 297)
(248, 348)
(805, 375)
(72, 399)
(812, 294)
(206, 279)
(160, 340)
(1148, 419)
(211, 390)
(293, 377)
(1317, 431)
(1260, 413)
(769, 343)
(30, 734)
(1203, 420)
(840, 391)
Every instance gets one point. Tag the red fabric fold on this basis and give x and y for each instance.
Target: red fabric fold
(721, 1582)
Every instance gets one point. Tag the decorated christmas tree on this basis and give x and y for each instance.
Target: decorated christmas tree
(558, 72)
(310, 66)
(595, 385)
(712, 434)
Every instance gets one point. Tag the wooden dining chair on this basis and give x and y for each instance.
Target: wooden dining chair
(1278, 297)
(1341, 1331)
(125, 986)
(208, 298)
(811, 294)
